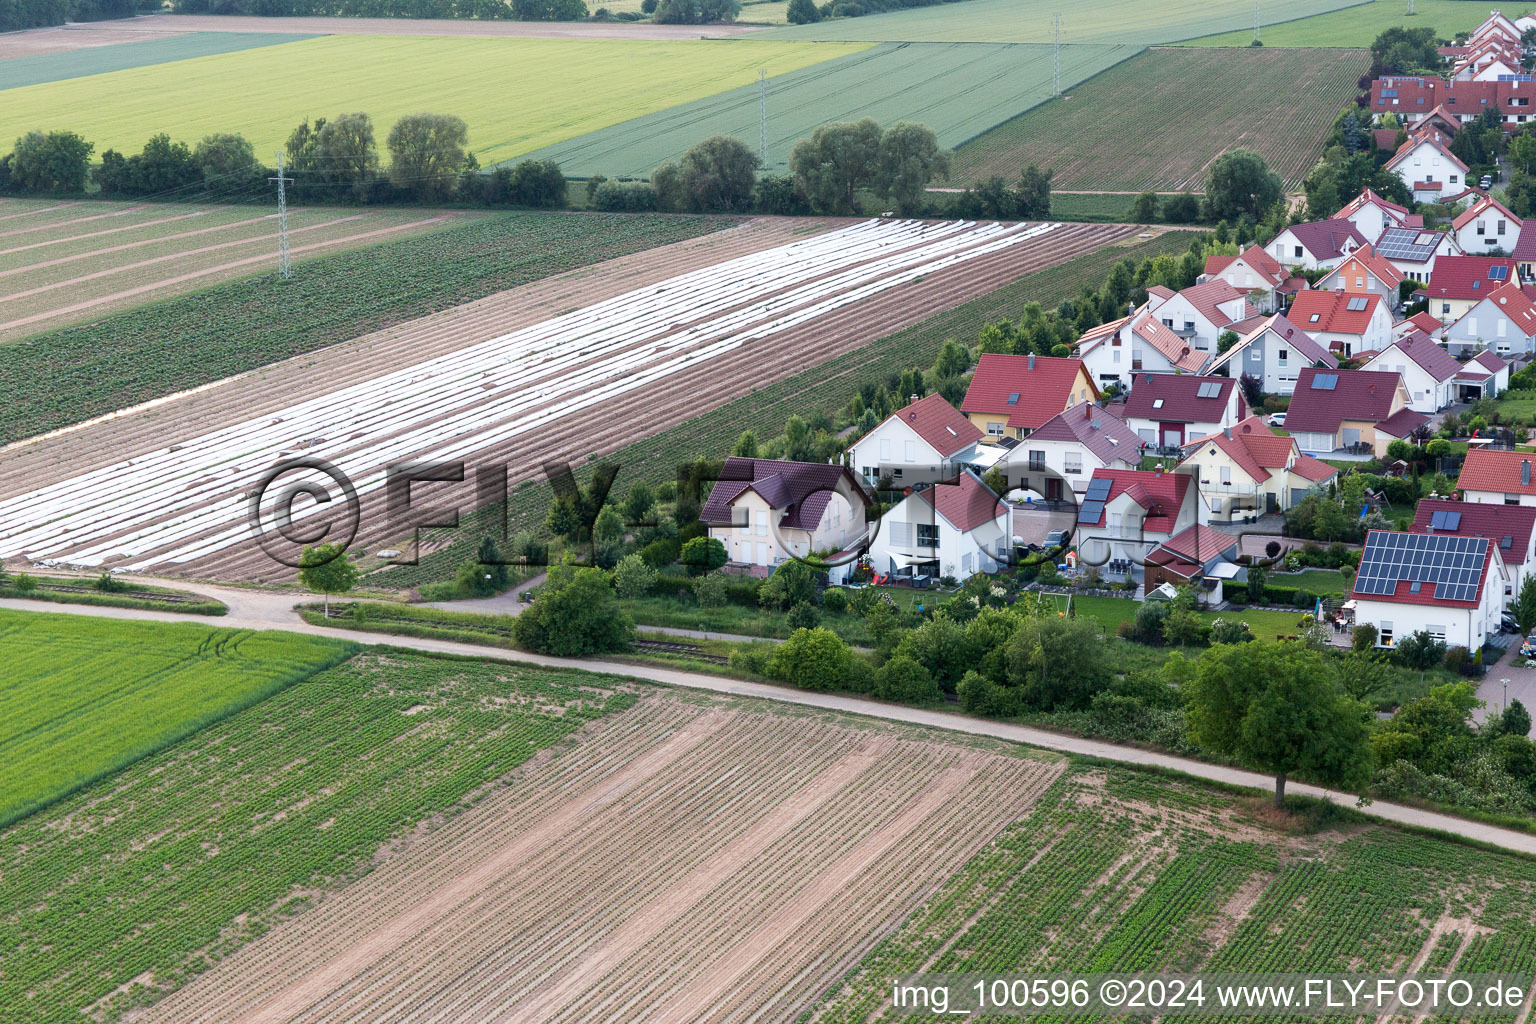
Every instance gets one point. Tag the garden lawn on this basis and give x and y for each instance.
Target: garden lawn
(82, 697)
(1111, 611)
(1517, 403)
(1362, 23)
(684, 613)
(515, 94)
(1322, 582)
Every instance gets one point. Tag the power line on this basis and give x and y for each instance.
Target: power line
(762, 114)
(284, 269)
(1056, 60)
(1257, 22)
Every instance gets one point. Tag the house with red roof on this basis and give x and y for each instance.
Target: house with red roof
(1322, 244)
(1058, 458)
(1365, 272)
(1482, 376)
(1347, 322)
(1427, 370)
(1166, 409)
(1140, 509)
(956, 527)
(1420, 321)
(1511, 527)
(766, 511)
(1504, 321)
(1199, 314)
(1195, 555)
(1497, 477)
(1461, 282)
(1253, 272)
(1140, 342)
(1247, 471)
(1429, 168)
(1009, 396)
(1371, 214)
(1486, 227)
(1274, 351)
(1449, 586)
(925, 441)
(1350, 411)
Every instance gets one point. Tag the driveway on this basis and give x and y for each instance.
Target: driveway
(1504, 683)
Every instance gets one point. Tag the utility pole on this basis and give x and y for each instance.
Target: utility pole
(1056, 60)
(762, 115)
(1256, 21)
(284, 269)
(1410, 8)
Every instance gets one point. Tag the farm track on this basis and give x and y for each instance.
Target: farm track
(678, 397)
(568, 897)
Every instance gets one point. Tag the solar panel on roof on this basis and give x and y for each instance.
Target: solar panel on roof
(1210, 389)
(1445, 520)
(1090, 511)
(1098, 490)
(1498, 273)
(1425, 238)
(1453, 564)
(1356, 304)
(1325, 381)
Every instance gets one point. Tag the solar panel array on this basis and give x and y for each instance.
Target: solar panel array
(1093, 501)
(1325, 381)
(1445, 520)
(1098, 490)
(1210, 389)
(1355, 304)
(1453, 564)
(1406, 244)
(1498, 273)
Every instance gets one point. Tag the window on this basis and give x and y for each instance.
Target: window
(1216, 505)
(760, 522)
(1501, 226)
(1359, 281)
(1226, 474)
(1298, 251)
(1116, 359)
(1285, 354)
(1511, 499)
(1254, 353)
(909, 451)
(1036, 461)
(1384, 633)
(1074, 462)
(1453, 179)
(1482, 228)
(1436, 632)
(995, 429)
(885, 450)
(927, 535)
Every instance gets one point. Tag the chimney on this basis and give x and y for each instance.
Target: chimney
(1031, 360)
(1525, 472)
(1227, 433)
(914, 398)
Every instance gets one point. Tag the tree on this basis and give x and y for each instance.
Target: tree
(777, 194)
(426, 154)
(536, 183)
(702, 555)
(790, 583)
(1401, 50)
(493, 565)
(1516, 721)
(1034, 193)
(1520, 194)
(719, 173)
(1057, 664)
(633, 578)
(607, 537)
(227, 159)
(1183, 208)
(1522, 151)
(802, 12)
(1363, 674)
(56, 162)
(327, 570)
(696, 12)
(1363, 637)
(1275, 708)
(638, 504)
(711, 589)
(834, 163)
(1525, 605)
(903, 679)
(909, 157)
(746, 445)
(343, 154)
(1241, 182)
(942, 647)
(1420, 650)
(812, 659)
(575, 614)
(1258, 579)
(1144, 209)
(549, 10)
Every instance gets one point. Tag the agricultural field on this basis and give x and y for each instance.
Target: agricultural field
(1032, 21)
(1096, 206)
(209, 842)
(1116, 871)
(36, 69)
(958, 89)
(1358, 25)
(141, 355)
(84, 696)
(563, 87)
(1159, 120)
(648, 359)
(66, 262)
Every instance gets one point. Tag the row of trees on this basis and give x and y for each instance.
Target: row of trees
(677, 12)
(20, 14)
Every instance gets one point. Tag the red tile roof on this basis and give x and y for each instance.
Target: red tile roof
(1367, 257)
(1498, 472)
(1483, 205)
(1255, 256)
(1174, 348)
(1252, 445)
(1160, 494)
(1208, 297)
(1421, 321)
(1424, 140)
(1299, 340)
(965, 501)
(1482, 519)
(1401, 423)
(1368, 196)
(1325, 239)
(1358, 395)
(1422, 350)
(937, 422)
(801, 489)
(1512, 301)
(1199, 543)
(1312, 469)
(1106, 436)
(1466, 277)
(1405, 594)
(1175, 398)
(1043, 384)
(1325, 311)
(1489, 361)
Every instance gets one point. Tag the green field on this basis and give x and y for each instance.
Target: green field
(957, 89)
(1158, 120)
(1032, 21)
(35, 69)
(142, 354)
(1089, 206)
(1117, 871)
(1358, 26)
(84, 696)
(188, 853)
(516, 95)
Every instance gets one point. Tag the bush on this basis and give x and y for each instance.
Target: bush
(24, 584)
(711, 589)
(1303, 599)
(1458, 660)
(660, 553)
(109, 584)
(576, 614)
(804, 616)
(903, 679)
(1126, 630)
(1230, 631)
(633, 577)
(981, 696)
(1150, 618)
(835, 601)
(702, 555)
(625, 197)
(753, 659)
(812, 659)
(1363, 637)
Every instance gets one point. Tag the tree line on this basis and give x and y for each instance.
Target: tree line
(20, 14)
(678, 12)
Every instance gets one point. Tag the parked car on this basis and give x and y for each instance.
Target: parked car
(1508, 624)
(1277, 420)
(1055, 539)
(1486, 181)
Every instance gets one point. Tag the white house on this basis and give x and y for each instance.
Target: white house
(1483, 376)
(1371, 214)
(1320, 244)
(1253, 272)
(1413, 250)
(1503, 321)
(1200, 313)
(1357, 410)
(954, 528)
(1486, 226)
(1428, 168)
(923, 442)
(1167, 409)
(1461, 282)
(1449, 586)
(1344, 321)
(766, 511)
(1427, 370)
(1365, 272)
(1058, 458)
(1275, 352)
(1497, 478)
(1511, 527)
(1113, 353)
(1137, 510)
(1248, 471)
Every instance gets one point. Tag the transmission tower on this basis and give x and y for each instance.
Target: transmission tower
(1056, 61)
(1410, 8)
(762, 115)
(284, 268)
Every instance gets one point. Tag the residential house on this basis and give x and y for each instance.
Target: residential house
(1504, 321)
(1320, 244)
(1167, 409)
(1461, 282)
(1486, 226)
(1199, 314)
(1524, 253)
(1365, 272)
(1427, 369)
(1429, 168)
(956, 528)
(1412, 250)
(1275, 352)
(1413, 97)
(1483, 376)
(1195, 556)
(1247, 471)
(1010, 396)
(1497, 478)
(1371, 214)
(1420, 321)
(1058, 458)
(1346, 322)
(765, 511)
(1449, 586)
(1353, 410)
(1134, 511)
(1512, 528)
(1140, 343)
(1253, 272)
(923, 442)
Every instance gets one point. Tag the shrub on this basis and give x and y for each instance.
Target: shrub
(752, 659)
(625, 197)
(109, 584)
(903, 679)
(791, 583)
(1149, 621)
(1458, 660)
(659, 553)
(24, 584)
(576, 614)
(1363, 637)
(702, 555)
(812, 659)
(981, 696)
(633, 577)
(711, 590)
(804, 616)
(1230, 631)
(835, 601)
(1126, 630)
(1303, 599)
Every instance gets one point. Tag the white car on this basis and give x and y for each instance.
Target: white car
(1277, 420)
